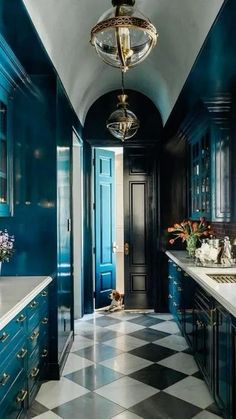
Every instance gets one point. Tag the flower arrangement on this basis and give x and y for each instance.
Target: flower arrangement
(6, 246)
(190, 231)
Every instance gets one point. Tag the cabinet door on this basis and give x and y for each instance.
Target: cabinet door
(188, 290)
(233, 372)
(203, 334)
(222, 367)
(221, 174)
(200, 176)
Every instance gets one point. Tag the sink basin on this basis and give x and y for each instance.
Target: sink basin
(223, 278)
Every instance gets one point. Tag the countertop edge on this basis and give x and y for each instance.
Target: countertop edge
(6, 318)
(190, 270)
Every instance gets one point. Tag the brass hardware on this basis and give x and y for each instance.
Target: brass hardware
(175, 283)
(21, 396)
(45, 353)
(179, 269)
(5, 378)
(34, 336)
(114, 247)
(170, 261)
(212, 313)
(174, 264)
(44, 294)
(4, 337)
(22, 353)
(34, 372)
(199, 323)
(34, 304)
(170, 296)
(180, 289)
(170, 277)
(45, 320)
(126, 249)
(175, 304)
(185, 274)
(21, 319)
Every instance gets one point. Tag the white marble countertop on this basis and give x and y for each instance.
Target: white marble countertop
(225, 293)
(16, 292)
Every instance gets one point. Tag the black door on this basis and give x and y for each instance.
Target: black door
(139, 227)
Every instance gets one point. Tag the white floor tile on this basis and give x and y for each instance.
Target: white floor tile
(124, 316)
(81, 327)
(175, 342)
(55, 393)
(125, 343)
(75, 363)
(127, 415)
(162, 316)
(126, 363)
(180, 362)
(206, 415)
(125, 327)
(126, 392)
(80, 342)
(191, 390)
(91, 316)
(167, 327)
(47, 415)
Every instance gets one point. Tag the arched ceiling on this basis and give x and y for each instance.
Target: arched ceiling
(64, 28)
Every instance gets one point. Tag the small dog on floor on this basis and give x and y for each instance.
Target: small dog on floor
(116, 301)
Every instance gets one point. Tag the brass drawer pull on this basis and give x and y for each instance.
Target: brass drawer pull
(180, 289)
(179, 269)
(34, 304)
(175, 283)
(34, 372)
(22, 353)
(44, 354)
(34, 336)
(44, 294)
(170, 296)
(21, 319)
(175, 304)
(5, 378)
(21, 396)
(45, 320)
(170, 277)
(4, 337)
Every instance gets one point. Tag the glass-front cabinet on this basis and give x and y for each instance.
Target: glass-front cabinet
(200, 176)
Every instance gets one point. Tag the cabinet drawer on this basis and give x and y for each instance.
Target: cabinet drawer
(12, 333)
(15, 401)
(13, 366)
(37, 309)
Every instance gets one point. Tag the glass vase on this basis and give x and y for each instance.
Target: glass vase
(191, 246)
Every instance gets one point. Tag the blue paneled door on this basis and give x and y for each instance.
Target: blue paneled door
(105, 272)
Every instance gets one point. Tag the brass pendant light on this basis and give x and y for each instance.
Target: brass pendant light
(123, 36)
(123, 123)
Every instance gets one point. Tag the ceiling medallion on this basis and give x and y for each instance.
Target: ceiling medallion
(123, 36)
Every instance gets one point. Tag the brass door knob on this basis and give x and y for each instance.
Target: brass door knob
(126, 249)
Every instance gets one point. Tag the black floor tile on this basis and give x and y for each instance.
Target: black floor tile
(94, 376)
(89, 406)
(104, 321)
(152, 352)
(198, 374)
(164, 406)
(101, 335)
(145, 321)
(99, 352)
(158, 376)
(213, 408)
(149, 335)
(35, 410)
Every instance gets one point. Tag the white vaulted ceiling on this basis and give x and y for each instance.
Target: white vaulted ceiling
(64, 27)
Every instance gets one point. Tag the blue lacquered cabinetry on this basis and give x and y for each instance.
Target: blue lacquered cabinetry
(23, 357)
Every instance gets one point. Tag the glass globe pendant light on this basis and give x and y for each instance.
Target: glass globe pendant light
(122, 123)
(123, 36)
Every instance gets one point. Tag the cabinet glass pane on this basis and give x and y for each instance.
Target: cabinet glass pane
(3, 157)
(3, 191)
(3, 119)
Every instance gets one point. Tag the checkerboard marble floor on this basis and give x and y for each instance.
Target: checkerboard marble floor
(127, 366)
